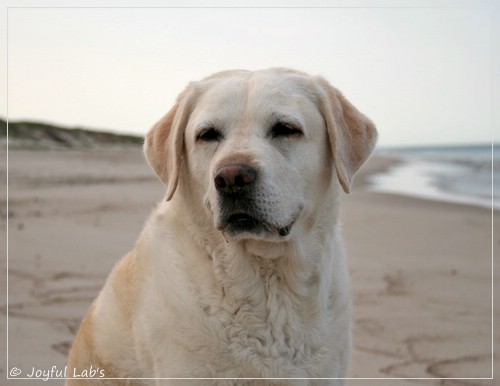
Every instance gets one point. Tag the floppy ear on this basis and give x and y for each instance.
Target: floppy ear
(352, 135)
(164, 143)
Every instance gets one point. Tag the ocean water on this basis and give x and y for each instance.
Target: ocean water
(460, 174)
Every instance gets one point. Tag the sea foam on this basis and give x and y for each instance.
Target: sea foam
(464, 175)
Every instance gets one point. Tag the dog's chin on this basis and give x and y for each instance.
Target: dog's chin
(241, 226)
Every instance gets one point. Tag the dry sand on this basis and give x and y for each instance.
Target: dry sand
(421, 271)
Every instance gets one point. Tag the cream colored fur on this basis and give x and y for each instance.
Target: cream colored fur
(194, 301)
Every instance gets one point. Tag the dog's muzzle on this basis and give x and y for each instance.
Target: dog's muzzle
(236, 185)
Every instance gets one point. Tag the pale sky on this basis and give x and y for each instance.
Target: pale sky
(426, 72)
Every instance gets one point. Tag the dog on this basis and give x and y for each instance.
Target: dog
(239, 276)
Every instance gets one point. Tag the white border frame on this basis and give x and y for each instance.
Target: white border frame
(10, 370)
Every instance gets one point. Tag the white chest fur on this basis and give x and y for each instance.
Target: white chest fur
(229, 313)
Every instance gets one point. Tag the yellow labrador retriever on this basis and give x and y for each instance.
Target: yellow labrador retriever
(240, 272)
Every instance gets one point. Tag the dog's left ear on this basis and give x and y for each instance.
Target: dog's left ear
(164, 143)
(352, 135)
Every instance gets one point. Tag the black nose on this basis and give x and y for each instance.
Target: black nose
(231, 179)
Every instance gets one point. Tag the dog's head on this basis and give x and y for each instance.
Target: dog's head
(259, 150)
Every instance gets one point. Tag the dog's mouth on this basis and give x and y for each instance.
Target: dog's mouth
(240, 223)
(242, 219)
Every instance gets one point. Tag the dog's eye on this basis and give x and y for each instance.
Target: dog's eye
(282, 129)
(209, 135)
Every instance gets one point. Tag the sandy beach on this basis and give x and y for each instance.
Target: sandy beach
(421, 271)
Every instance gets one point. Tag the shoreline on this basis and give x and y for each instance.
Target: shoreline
(420, 270)
(416, 178)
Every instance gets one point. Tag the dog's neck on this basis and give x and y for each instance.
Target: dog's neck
(249, 270)
(246, 275)
(257, 290)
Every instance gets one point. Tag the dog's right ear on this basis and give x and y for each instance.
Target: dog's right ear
(352, 135)
(164, 143)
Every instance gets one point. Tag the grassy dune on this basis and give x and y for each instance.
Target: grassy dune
(36, 135)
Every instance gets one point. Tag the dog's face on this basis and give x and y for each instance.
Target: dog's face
(256, 144)
(259, 150)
